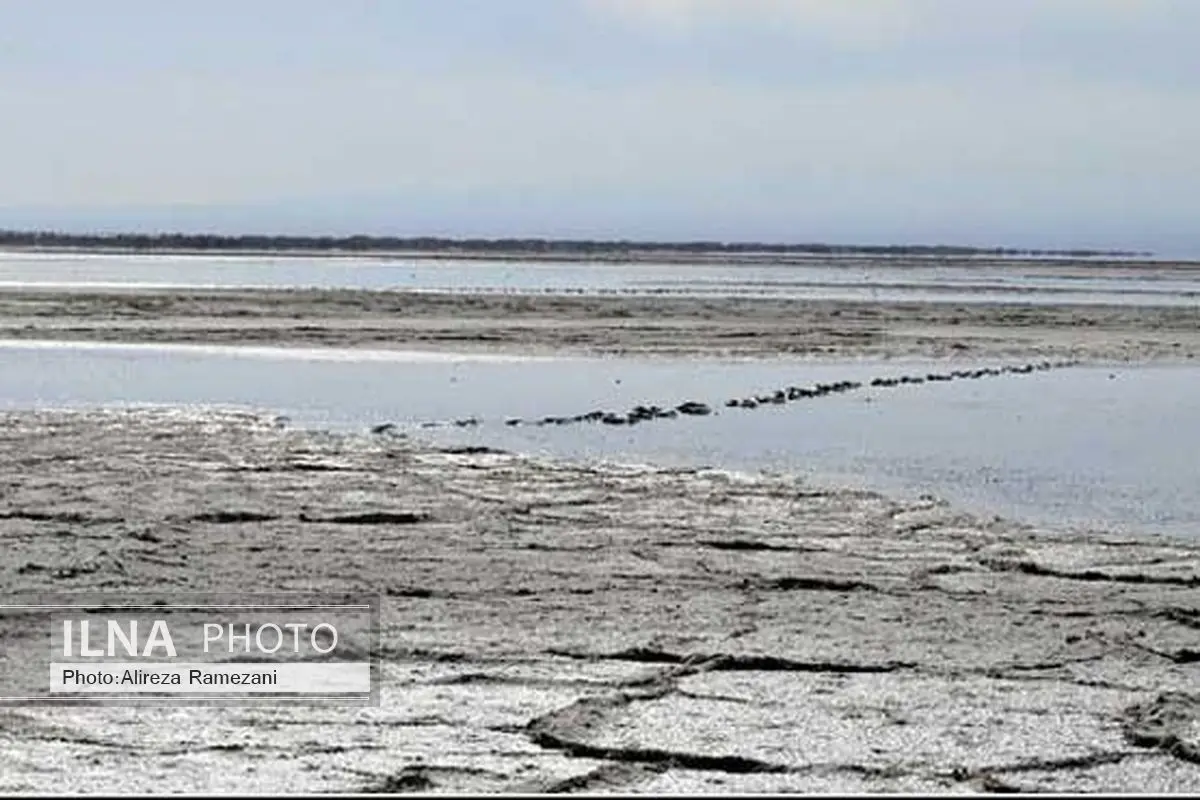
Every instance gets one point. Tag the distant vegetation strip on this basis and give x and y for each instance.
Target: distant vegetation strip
(570, 248)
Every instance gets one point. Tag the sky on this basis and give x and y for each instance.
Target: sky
(1035, 123)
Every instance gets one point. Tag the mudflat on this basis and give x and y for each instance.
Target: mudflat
(552, 626)
(615, 325)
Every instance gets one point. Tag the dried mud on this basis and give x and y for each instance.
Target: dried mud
(566, 628)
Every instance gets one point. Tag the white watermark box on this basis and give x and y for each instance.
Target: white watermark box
(174, 649)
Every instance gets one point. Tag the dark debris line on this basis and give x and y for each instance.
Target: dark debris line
(694, 408)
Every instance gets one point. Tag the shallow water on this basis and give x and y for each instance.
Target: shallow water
(1083, 446)
(845, 279)
(1079, 447)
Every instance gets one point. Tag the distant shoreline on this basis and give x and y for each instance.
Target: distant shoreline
(525, 249)
(627, 257)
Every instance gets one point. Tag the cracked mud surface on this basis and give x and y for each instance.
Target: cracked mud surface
(569, 628)
(752, 327)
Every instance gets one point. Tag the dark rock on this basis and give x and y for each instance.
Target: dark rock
(693, 408)
(640, 413)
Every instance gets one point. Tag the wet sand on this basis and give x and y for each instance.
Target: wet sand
(613, 325)
(559, 627)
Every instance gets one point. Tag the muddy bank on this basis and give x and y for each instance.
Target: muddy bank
(615, 325)
(551, 626)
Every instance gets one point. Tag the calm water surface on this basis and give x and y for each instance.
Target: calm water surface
(845, 279)
(1107, 447)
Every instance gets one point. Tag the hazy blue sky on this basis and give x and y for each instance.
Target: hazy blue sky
(1036, 122)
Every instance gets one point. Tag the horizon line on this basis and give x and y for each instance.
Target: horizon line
(164, 240)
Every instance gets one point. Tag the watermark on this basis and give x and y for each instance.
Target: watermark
(193, 649)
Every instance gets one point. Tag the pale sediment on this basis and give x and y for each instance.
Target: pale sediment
(615, 325)
(554, 626)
